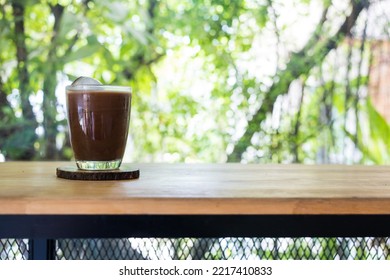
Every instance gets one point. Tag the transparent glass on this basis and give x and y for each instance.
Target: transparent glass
(98, 119)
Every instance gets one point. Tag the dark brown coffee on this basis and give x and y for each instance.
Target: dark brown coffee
(99, 122)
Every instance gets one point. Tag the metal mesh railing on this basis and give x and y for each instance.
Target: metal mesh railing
(14, 249)
(207, 248)
(225, 248)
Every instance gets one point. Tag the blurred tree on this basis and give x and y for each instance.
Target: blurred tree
(204, 88)
(18, 134)
(299, 65)
(58, 33)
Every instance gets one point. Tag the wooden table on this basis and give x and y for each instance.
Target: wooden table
(196, 200)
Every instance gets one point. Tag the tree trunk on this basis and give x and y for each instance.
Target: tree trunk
(139, 59)
(31, 123)
(3, 100)
(49, 88)
(22, 61)
(312, 54)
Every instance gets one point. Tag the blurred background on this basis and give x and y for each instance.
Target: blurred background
(252, 81)
(300, 81)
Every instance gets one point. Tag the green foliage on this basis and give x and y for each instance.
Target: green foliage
(16, 145)
(85, 51)
(374, 135)
(198, 75)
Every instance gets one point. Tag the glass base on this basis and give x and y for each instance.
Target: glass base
(98, 165)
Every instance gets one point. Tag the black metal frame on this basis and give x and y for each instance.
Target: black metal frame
(43, 229)
(116, 226)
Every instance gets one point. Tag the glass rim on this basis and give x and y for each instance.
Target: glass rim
(127, 89)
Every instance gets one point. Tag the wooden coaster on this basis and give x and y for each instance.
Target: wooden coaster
(73, 173)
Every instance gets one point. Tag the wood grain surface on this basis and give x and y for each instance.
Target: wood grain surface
(33, 188)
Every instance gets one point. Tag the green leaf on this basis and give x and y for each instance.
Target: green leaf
(374, 139)
(138, 35)
(83, 52)
(18, 143)
(69, 22)
(378, 125)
